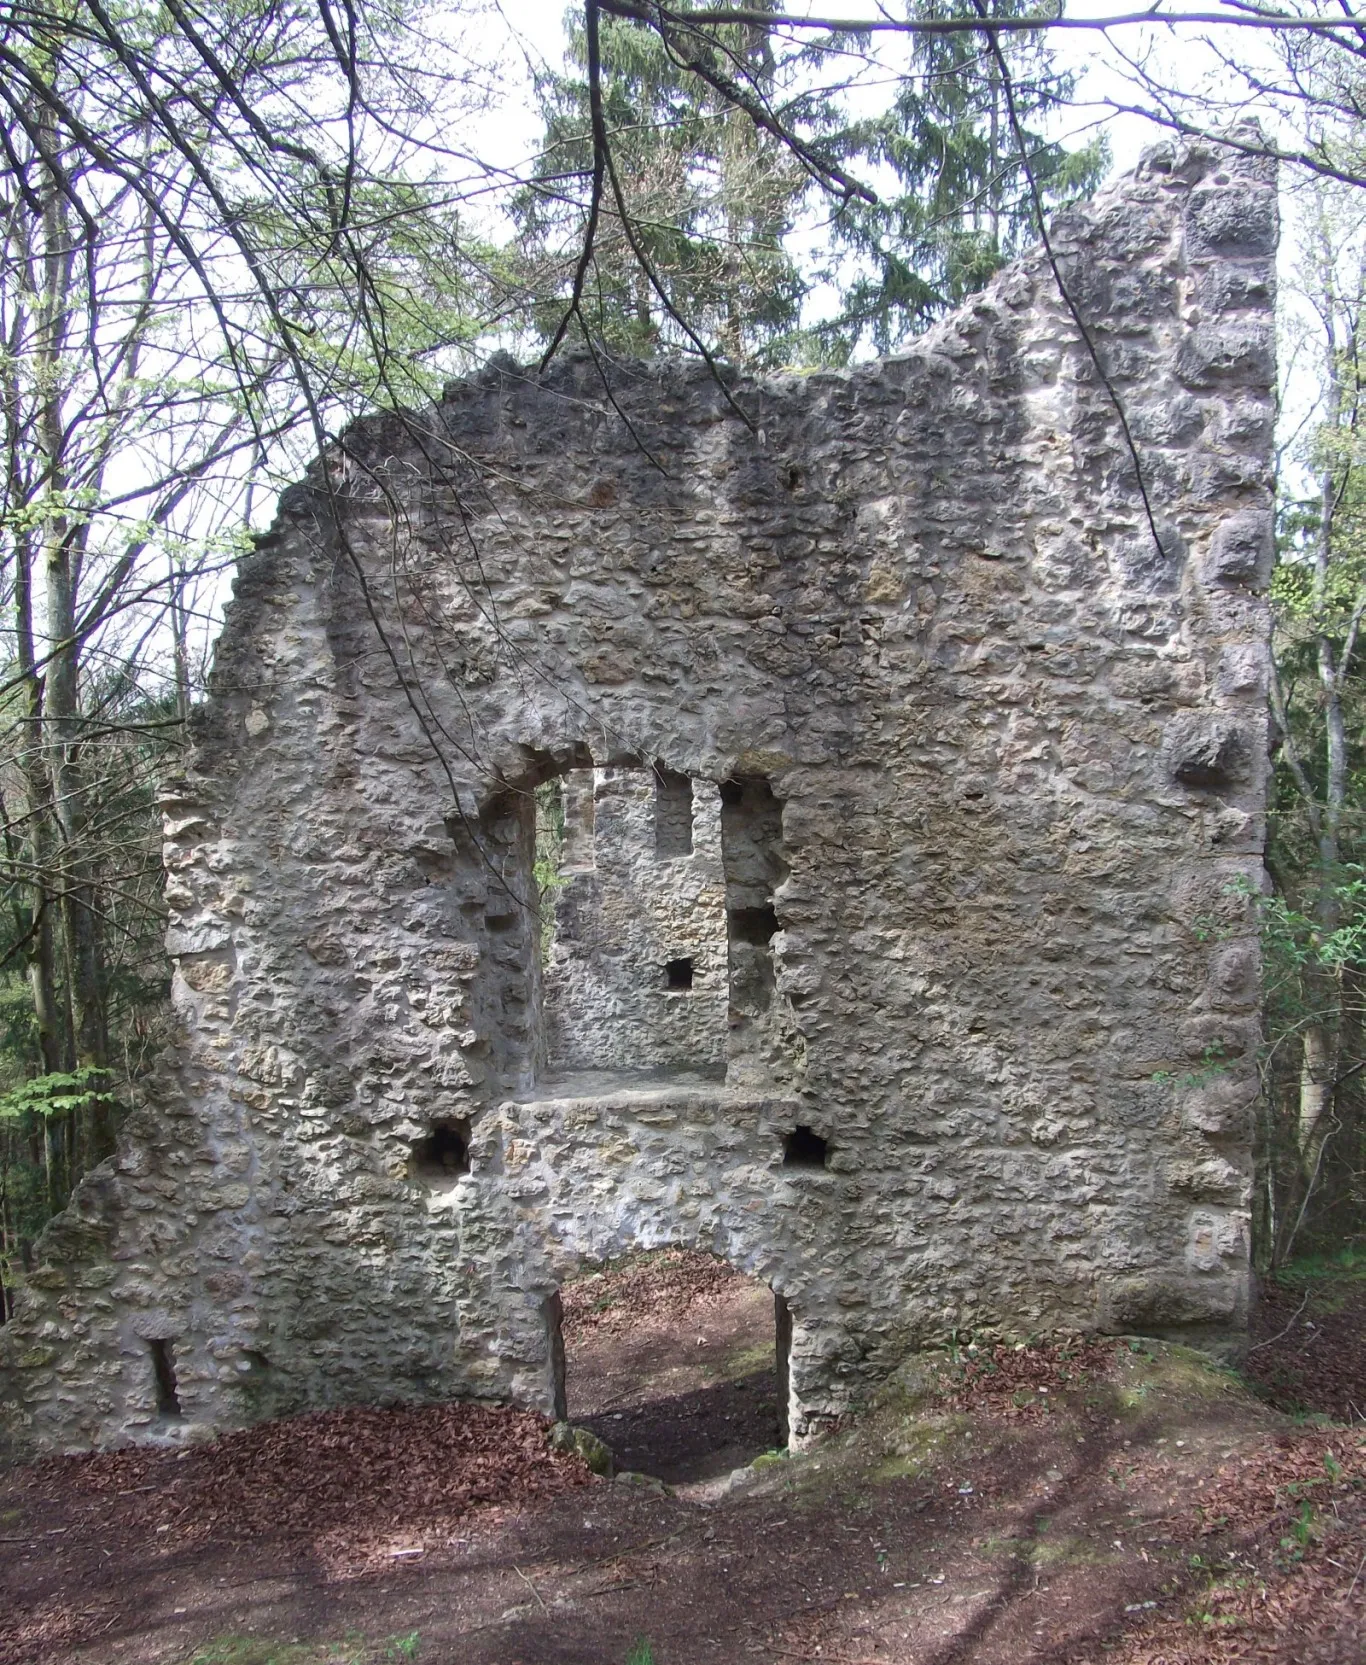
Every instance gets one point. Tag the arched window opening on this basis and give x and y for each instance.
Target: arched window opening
(677, 1362)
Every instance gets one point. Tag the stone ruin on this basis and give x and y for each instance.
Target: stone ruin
(897, 939)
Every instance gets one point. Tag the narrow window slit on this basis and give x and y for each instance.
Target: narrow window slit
(804, 1149)
(673, 813)
(163, 1368)
(578, 810)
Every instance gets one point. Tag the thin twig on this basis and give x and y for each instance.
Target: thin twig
(1022, 150)
(1286, 1331)
(530, 1586)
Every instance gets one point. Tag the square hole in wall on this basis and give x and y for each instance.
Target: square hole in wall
(678, 974)
(804, 1149)
(444, 1153)
(757, 926)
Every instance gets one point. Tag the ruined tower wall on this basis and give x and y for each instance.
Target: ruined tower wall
(986, 718)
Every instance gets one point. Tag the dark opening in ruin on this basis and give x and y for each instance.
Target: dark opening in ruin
(552, 1313)
(673, 813)
(804, 1149)
(782, 1325)
(163, 1369)
(752, 845)
(758, 926)
(673, 1358)
(679, 974)
(444, 1153)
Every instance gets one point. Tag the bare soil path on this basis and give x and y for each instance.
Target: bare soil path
(670, 1360)
(1113, 1502)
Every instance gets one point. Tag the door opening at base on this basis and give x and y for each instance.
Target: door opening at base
(677, 1362)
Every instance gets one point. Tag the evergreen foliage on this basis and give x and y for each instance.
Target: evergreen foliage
(719, 207)
(710, 198)
(959, 202)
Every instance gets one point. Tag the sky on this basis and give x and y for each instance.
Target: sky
(532, 32)
(521, 36)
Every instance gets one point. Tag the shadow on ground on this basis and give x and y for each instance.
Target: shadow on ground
(1045, 1506)
(698, 1435)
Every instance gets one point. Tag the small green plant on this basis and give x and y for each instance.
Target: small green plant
(55, 1095)
(1348, 1262)
(1213, 1064)
(404, 1647)
(641, 1653)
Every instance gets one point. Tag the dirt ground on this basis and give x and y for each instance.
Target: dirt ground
(1113, 1502)
(671, 1361)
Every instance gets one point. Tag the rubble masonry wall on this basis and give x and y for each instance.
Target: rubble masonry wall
(914, 620)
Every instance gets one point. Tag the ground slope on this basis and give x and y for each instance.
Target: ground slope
(1104, 1501)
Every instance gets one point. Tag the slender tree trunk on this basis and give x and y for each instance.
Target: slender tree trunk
(63, 726)
(55, 1043)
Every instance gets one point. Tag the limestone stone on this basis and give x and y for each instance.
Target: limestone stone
(976, 759)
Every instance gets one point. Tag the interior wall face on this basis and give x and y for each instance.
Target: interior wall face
(986, 731)
(630, 902)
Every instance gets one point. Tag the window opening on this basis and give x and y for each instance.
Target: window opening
(757, 926)
(444, 1153)
(624, 939)
(673, 813)
(163, 1370)
(752, 856)
(578, 820)
(804, 1149)
(672, 1359)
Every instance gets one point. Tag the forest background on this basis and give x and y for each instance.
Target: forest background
(229, 226)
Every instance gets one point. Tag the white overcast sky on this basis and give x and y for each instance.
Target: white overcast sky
(534, 30)
(527, 32)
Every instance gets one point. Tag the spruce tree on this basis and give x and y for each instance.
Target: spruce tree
(709, 197)
(956, 201)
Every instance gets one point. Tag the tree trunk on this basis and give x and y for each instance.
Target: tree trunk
(61, 545)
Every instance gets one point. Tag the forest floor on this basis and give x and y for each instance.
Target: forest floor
(1112, 1502)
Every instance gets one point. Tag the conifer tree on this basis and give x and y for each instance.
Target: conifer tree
(710, 199)
(959, 201)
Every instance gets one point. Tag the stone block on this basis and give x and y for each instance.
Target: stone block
(1241, 550)
(1156, 1304)
(1231, 222)
(1206, 750)
(1236, 353)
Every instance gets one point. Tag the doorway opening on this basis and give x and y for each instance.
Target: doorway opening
(677, 1362)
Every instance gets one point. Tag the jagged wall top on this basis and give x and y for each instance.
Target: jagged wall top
(1014, 737)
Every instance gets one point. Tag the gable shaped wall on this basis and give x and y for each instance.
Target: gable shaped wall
(992, 750)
